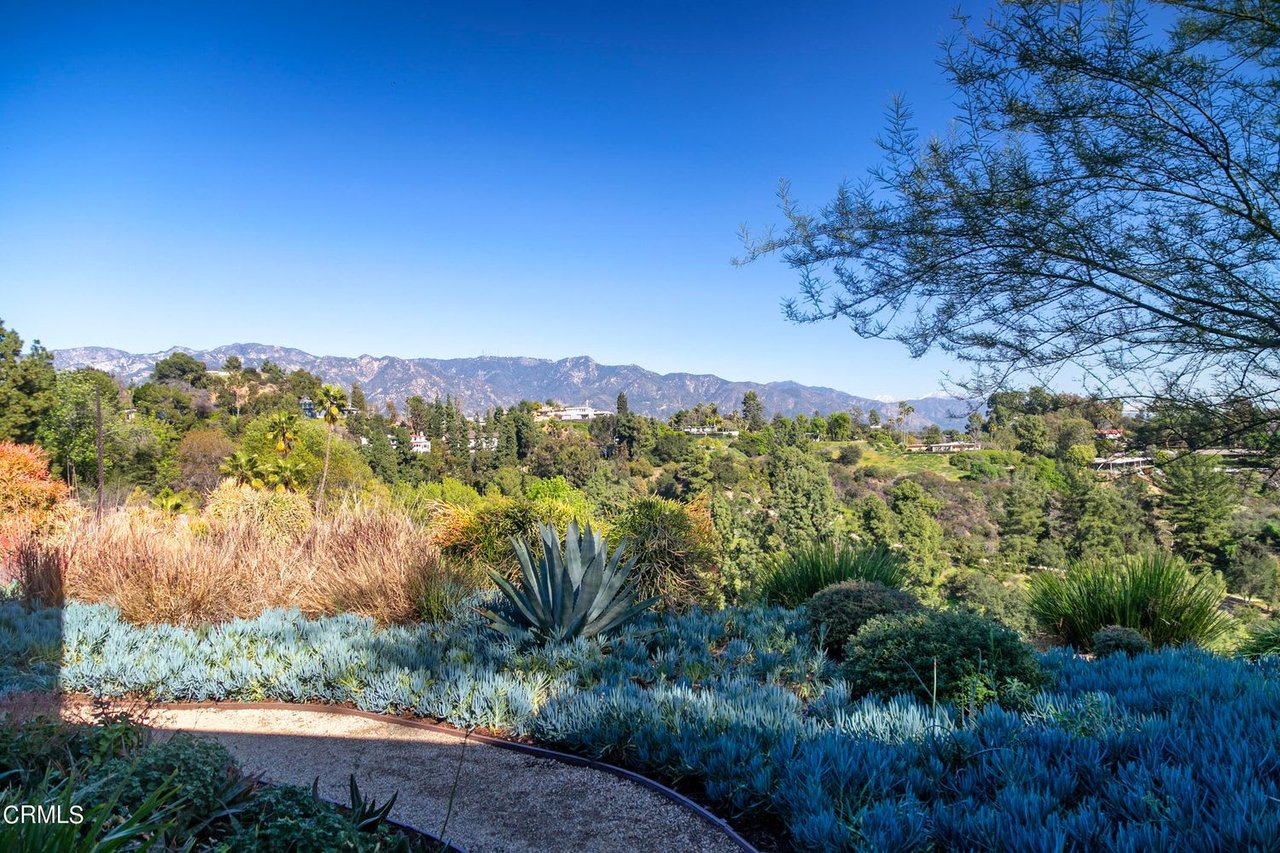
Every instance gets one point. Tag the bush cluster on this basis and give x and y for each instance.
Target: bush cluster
(935, 655)
(839, 611)
(1115, 639)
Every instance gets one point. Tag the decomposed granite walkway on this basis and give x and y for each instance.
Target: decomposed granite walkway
(504, 801)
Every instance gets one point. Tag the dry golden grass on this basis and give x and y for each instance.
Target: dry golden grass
(362, 558)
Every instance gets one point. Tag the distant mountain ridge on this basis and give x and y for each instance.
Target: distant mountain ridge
(486, 381)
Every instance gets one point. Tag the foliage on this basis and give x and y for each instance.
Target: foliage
(360, 558)
(839, 611)
(737, 708)
(1005, 602)
(802, 496)
(480, 533)
(674, 546)
(1115, 639)
(576, 590)
(1197, 501)
(801, 572)
(933, 655)
(1156, 595)
(26, 387)
(1262, 639)
(275, 514)
(28, 497)
(1106, 200)
(347, 468)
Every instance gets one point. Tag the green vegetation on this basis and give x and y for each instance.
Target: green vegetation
(804, 571)
(576, 590)
(839, 611)
(940, 656)
(1156, 595)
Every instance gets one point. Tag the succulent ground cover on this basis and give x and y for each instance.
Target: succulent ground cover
(1167, 750)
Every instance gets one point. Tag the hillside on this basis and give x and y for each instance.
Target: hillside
(486, 381)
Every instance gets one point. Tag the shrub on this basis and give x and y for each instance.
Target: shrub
(1262, 639)
(846, 606)
(850, 454)
(800, 573)
(675, 550)
(932, 654)
(28, 497)
(1156, 595)
(278, 514)
(1115, 639)
(988, 596)
(481, 532)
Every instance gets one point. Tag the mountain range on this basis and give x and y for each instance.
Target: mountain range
(486, 381)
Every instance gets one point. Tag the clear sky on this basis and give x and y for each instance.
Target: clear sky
(446, 180)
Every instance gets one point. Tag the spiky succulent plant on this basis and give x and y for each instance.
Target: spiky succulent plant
(578, 589)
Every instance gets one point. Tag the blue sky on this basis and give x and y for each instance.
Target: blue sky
(425, 179)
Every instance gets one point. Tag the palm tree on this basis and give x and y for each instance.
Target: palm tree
(285, 475)
(243, 468)
(330, 404)
(904, 409)
(282, 429)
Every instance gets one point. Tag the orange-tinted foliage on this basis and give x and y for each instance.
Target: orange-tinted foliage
(27, 495)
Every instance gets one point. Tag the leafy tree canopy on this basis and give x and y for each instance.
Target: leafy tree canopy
(1109, 196)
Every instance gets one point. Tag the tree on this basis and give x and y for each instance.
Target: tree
(622, 409)
(26, 387)
(330, 402)
(1197, 502)
(180, 367)
(840, 427)
(802, 497)
(200, 456)
(282, 429)
(1107, 198)
(753, 411)
(358, 401)
(243, 467)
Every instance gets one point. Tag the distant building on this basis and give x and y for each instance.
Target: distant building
(569, 413)
(944, 447)
(419, 443)
(1116, 464)
(709, 430)
(308, 407)
(1109, 434)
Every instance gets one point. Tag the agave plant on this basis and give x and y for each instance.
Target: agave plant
(576, 590)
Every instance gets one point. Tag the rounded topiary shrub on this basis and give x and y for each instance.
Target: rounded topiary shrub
(1114, 639)
(910, 653)
(845, 607)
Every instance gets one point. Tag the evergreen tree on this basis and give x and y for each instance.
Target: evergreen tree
(753, 411)
(1197, 502)
(26, 387)
(622, 409)
(802, 497)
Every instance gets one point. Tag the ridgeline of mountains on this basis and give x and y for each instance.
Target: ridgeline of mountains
(486, 381)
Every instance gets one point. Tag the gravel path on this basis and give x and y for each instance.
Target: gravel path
(505, 800)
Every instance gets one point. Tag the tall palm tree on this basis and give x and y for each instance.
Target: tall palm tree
(331, 402)
(282, 428)
(904, 409)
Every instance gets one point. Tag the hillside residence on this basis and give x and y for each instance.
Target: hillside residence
(419, 443)
(569, 413)
(709, 430)
(944, 447)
